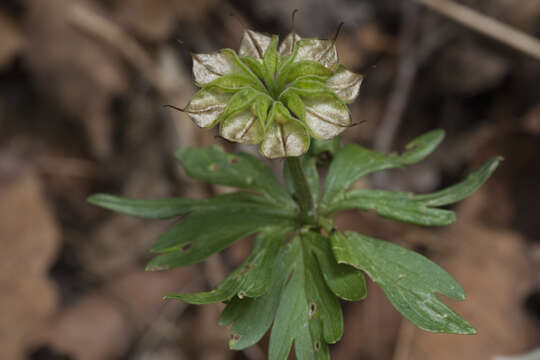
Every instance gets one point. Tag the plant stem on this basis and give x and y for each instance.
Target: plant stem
(301, 190)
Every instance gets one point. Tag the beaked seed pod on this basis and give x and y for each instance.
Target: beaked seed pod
(275, 96)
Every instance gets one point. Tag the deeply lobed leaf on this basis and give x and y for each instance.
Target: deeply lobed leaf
(250, 318)
(408, 280)
(343, 280)
(353, 162)
(308, 314)
(186, 244)
(253, 278)
(416, 209)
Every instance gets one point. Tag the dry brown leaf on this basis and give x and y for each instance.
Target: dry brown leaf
(29, 238)
(104, 324)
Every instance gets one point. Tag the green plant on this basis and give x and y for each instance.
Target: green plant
(301, 265)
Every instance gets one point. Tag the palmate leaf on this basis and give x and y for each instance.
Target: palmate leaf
(240, 170)
(353, 162)
(345, 281)
(409, 281)
(251, 279)
(416, 209)
(308, 314)
(250, 318)
(186, 243)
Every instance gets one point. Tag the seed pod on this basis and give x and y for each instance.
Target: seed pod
(274, 95)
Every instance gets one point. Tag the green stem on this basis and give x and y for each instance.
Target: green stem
(301, 190)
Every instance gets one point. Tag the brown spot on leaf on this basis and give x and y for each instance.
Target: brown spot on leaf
(235, 338)
(312, 310)
(187, 247)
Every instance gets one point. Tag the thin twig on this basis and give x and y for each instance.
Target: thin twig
(404, 80)
(487, 26)
(93, 23)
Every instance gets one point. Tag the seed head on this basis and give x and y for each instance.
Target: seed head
(275, 95)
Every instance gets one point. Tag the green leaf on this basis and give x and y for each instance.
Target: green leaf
(308, 314)
(408, 280)
(283, 115)
(254, 65)
(270, 61)
(295, 104)
(220, 226)
(251, 317)
(240, 101)
(308, 87)
(243, 68)
(331, 146)
(309, 167)
(168, 208)
(231, 83)
(262, 105)
(251, 279)
(150, 209)
(462, 189)
(399, 206)
(297, 69)
(241, 170)
(353, 162)
(345, 281)
(416, 209)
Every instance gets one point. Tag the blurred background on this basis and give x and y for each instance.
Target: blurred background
(82, 84)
